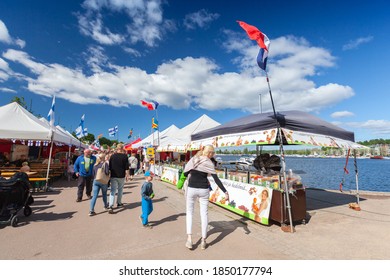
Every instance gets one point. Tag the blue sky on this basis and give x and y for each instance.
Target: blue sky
(100, 58)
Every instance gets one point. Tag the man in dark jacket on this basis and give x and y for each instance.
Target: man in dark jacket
(119, 167)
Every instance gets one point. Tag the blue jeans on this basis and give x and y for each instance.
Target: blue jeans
(116, 183)
(97, 186)
(147, 208)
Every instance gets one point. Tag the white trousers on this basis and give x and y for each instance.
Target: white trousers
(191, 195)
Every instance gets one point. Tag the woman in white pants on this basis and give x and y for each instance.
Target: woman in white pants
(196, 171)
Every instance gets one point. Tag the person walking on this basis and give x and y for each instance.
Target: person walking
(119, 168)
(147, 196)
(83, 168)
(101, 163)
(196, 171)
(133, 162)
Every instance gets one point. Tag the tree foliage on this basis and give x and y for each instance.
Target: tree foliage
(20, 101)
(375, 142)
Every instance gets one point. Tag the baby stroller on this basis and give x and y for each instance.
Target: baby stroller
(14, 195)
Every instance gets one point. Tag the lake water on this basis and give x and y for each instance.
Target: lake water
(327, 173)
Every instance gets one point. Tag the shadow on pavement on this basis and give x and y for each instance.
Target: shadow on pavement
(224, 228)
(319, 199)
(171, 218)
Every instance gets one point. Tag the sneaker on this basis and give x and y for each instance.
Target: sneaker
(140, 219)
(119, 205)
(148, 226)
(89, 197)
(92, 213)
(110, 210)
(203, 245)
(189, 244)
(78, 200)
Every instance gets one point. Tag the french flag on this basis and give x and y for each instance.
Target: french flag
(152, 105)
(261, 39)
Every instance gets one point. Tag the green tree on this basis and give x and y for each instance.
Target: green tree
(105, 141)
(20, 101)
(89, 138)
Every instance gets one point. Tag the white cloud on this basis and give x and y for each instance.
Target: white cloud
(354, 44)
(5, 37)
(196, 82)
(96, 59)
(4, 70)
(146, 25)
(342, 114)
(377, 127)
(8, 90)
(201, 19)
(94, 28)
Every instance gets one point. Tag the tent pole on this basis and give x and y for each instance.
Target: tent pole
(356, 177)
(48, 165)
(281, 150)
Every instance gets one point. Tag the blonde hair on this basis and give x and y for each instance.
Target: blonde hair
(205, 151)
(100, 157)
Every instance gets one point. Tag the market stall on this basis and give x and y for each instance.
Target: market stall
(176, 144)
(290, 127)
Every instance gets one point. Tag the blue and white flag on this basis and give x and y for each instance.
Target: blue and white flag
(80, 130)
(113, 131)
(50, 115)
(96, 143)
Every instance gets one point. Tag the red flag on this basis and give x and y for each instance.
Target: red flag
(152, 105)
(261, 39)
(255, 34)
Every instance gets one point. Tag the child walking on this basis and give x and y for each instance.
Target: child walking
(147, 195)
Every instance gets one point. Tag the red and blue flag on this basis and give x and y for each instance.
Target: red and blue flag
(261, 39)
(151, 105)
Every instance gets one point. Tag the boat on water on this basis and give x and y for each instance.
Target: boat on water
(245, 160)
(376, 157)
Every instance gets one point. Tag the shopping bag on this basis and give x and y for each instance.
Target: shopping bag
(180, 182)
(101, 176)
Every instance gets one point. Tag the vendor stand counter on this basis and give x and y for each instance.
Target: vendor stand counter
(256, 197)
(171, 173)
(261, 198)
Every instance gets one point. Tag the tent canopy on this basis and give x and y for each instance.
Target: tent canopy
(153, 138)
(202, 123)
(293, 120)
(180, 141)
(18, 123)
(297, 128)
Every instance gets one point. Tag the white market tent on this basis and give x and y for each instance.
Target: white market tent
(18, 123)
(152, 139)
(182, 139)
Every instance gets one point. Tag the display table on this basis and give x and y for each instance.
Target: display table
(279, 212)
(170, 174)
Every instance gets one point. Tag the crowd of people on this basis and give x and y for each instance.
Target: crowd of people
(109, 171)
(91, 170)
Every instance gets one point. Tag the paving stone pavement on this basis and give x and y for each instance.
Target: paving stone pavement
(60, 229)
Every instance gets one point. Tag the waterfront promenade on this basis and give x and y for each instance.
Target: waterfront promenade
(60, 229)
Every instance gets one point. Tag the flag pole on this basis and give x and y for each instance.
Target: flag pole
(281, 149)
(48, 165)
(158, 130)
